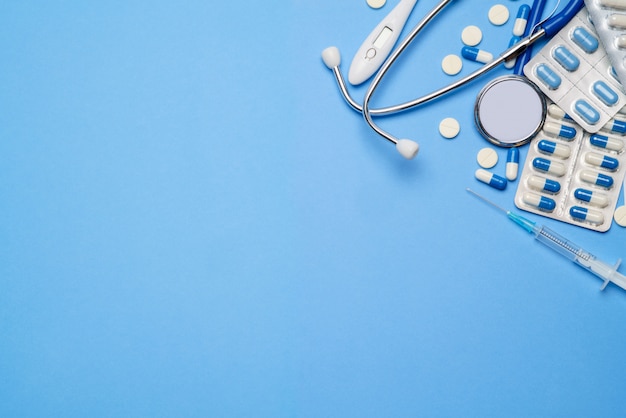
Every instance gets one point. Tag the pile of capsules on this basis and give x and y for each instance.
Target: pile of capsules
(572, 175)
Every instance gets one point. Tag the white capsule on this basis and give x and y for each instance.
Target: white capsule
(521, 20)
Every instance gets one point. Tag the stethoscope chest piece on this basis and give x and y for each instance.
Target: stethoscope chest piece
(509, 111)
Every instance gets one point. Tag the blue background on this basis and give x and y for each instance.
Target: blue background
(193, 223)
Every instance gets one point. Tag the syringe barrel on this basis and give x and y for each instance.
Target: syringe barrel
(559, 243)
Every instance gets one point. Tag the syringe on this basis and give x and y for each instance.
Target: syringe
(564, 247)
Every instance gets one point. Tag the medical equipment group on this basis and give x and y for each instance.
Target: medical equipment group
(574, 118)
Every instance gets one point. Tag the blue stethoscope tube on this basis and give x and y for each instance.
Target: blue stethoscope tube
(549, 28)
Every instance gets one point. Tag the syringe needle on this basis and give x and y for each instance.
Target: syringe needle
(484, 199)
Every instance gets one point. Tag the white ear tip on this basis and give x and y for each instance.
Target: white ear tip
(331, 57)
(407, 148)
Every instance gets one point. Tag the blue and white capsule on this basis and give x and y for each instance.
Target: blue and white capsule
(557, 113)
(491, 179)
(585, 40)
(586, 215)
(557, 129)
(593, 198)
(615, 126)
(552, 148)
(551, 167)
(542, 184)
(511, 62)
(521, 20)
(602, 161)
(477, 55)
(597, 179)
(603, 141)
(540, 202)
(512, 164)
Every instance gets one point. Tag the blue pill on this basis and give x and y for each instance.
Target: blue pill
(606, 94)
(585, 40)
(512, 156)
(552, 167)
(584, 214)
(567, 60)
(598, 179)
(544, 185)
(587, 112)
(549, 77)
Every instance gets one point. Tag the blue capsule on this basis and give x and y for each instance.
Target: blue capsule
(585, 40)
(477, 55)
(491, 179)
(521, 20)
(584, 214)
(552, 167)
(544, 185)
(605, 142)
(606, 94)
(592, 198)
(549, 77)
(587, 112)
(557, 129)
(512, 164)
(603, 161)
(511, 62)
(567, 60)
(598, 179)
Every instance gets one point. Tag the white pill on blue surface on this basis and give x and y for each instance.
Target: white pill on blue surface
(477, 55)
(620, 216)
(498, 14)
(471, 35)
(544, 185)
(487, 157)
(491, 179)
(557, 129)
(512, 164)
(552, 167)
(588, 215)
(376, 4)
(540, 202)
(449, 128)
(452, 64)
(598, 179)
(593, 198)
(519, 27)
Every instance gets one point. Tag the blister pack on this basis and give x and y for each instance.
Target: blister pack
(609, 20)
(574, 71)
(572, 175)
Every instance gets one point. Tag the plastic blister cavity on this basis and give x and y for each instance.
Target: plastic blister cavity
(575, 72)
(609, 20)
(572, 175)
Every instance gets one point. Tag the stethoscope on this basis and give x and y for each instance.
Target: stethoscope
(489, 122)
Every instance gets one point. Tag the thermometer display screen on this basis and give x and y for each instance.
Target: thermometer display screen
(384, 36)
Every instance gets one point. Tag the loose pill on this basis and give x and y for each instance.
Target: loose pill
(491, 179)
(598, 179)
(449, 128)
(498, 14)
(540, 202)
(557, 129)
(585, 40)
(544, 185)
(478, 55)
(551, 79)
(586, 111)
(565, 58)
(511, 62)
(613, 4)
(616, 21)
(615, 125)
(551, 167)
(552, 148)
(603, 161)
(512, 163)
(521, 20)
(557, 113)
(592, 198)
(376, 4)
(471, 35)
(620, 216)
(451, 64)
(605, 142)
(588, 215)
(606, 94)
(487, 158)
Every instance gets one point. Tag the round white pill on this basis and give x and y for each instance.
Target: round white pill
(620, 216)
(376, 4)
(452, 64)
(471, 35)
(498, 14)
(487, 158)
(449, 128)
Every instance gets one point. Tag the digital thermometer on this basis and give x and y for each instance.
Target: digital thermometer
(379, 43)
